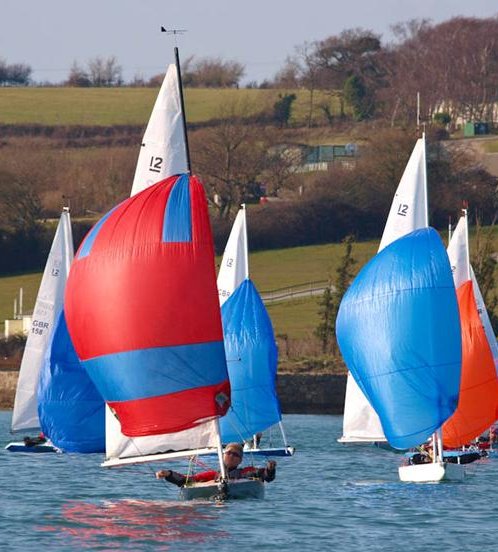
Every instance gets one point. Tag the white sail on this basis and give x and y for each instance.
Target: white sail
(458, 253)
(409, 211)
(361, 423)
(120, 447)
(234, 267)
(49, 303)
(163, 151)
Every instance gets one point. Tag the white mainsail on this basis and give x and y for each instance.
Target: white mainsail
(49, 304)
(163, 151)
(234, 267)
(409, 211)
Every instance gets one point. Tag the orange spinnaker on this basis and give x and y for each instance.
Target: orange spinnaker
(478, 401)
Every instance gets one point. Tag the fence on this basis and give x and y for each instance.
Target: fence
(292, 292)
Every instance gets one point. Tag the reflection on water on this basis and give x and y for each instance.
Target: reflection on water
(133, 521)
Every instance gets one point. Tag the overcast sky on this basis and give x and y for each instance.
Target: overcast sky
(50, 35)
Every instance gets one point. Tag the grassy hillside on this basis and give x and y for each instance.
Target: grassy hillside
(132, 106)
(269, 270)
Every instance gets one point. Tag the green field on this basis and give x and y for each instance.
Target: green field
(491, 146)
(132, 106)
(270, 270)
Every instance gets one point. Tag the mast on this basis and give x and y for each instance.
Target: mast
(425, 182)
(467, 252)
(182, 103)
(246, 247)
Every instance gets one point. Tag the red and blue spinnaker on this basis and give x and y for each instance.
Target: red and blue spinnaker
(142, 310)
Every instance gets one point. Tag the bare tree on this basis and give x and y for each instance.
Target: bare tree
(105, 72)
(212, 73)
(231, 158)
(454, 65)
(77, 76)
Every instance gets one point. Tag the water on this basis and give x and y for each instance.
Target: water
(327, 497)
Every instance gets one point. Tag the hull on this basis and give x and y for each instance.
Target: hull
(241, 488)
(21, 447)
(431, 473)
(282, 451)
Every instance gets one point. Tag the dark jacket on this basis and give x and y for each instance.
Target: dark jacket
(265, 474)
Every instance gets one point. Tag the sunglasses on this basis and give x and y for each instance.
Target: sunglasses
(232, 453)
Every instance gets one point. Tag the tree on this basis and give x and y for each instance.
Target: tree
(105, 72)
(288, 76)
(15, 74)
(18, 73)
(454, 66)
(78, 76)
(484, 265)
(356, 94)
(212, 73)
(332, 297)
(328, 63)
(231, 158)
(282, 109)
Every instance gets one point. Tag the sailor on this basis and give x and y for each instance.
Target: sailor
(33, 441)
(232, 457)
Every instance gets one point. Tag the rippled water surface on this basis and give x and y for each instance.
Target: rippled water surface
(327, 497)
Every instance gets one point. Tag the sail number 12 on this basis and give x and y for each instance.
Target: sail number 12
(402, 209)
(155, 164)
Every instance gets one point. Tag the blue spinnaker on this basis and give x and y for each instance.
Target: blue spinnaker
(70, 408)
(398, 330)
(252, 365)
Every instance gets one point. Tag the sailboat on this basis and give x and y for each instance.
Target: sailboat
(190, 381)
(250, 348)
(143, 313)
(53, 393)
(409, 212)
(478, 400)
(398, 329)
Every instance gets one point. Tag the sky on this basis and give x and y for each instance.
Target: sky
(50, 35)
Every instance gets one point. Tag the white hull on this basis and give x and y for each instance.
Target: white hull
(20, 446)
(431, 473)
(240, 488)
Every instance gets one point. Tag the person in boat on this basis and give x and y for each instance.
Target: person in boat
(232, 457)
(40, 439)
(254, 442)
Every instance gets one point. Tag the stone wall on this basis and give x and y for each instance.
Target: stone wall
(8, 383)
(298, 393)
(311, 394)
